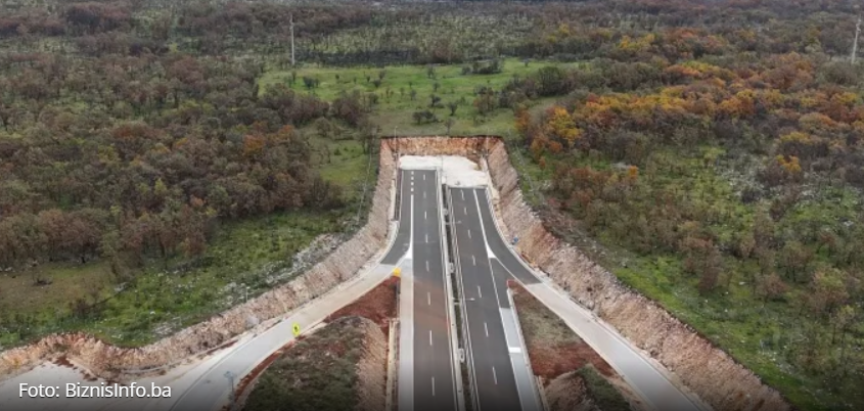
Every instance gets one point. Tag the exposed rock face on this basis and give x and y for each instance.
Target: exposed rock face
(708, 371)
(105, 360)
(372, 370)
(711, 373)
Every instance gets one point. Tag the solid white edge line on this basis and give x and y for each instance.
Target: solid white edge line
(452, 341)
(463, 309)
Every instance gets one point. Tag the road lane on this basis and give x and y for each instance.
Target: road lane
(432, 380)
(645, 378)
(403, 236)
(495, 383)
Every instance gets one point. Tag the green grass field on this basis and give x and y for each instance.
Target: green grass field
(166, 296)
(245, 259)
(395, 107)
(757, 333)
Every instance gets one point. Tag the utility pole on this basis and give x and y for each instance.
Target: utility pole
(855, 43)
(292, 39)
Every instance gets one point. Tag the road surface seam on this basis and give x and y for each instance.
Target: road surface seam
(469, 353)
(456, 367)
(567, 298)
(501, 314)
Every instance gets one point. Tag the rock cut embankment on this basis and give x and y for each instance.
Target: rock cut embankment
(708, 371)
(109, 361)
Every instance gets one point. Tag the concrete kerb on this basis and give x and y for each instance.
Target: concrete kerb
(318, 322)
(550, 283)
(391, 363)
(364, 270)
(451, 311)
(469, 358)
(267, 324)
(539, 389)
(517, 368)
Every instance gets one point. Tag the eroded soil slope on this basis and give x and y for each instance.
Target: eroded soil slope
(573, 374)
(323, 372)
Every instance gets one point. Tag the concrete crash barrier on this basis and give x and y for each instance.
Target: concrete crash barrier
(705, 369)
(109, 361)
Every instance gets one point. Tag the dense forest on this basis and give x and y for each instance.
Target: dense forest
(709, 153)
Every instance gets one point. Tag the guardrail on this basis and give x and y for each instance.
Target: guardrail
(469, 360)
(448, 283)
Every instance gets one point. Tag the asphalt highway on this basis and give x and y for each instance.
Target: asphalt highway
(648, 380)
(490, 329)
(432, 371)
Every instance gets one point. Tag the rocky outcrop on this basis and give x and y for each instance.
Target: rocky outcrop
(109, 361)
(705, 369)
(708, 371)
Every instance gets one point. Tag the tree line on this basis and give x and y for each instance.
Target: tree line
(143, 155)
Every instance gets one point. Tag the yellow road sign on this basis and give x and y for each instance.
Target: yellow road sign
(296, 329)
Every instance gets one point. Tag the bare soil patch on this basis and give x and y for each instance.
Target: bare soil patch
(342, 365)
(554, 348)
(378, 305)
(557, 355)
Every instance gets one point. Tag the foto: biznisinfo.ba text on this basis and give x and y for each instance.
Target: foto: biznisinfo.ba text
(77, 390)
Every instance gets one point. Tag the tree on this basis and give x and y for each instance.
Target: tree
(828, 291)
(434, 101)
(770, 286)
(452, 106)
(794, 258)
(523, 122)
(310, 82)
(449, 123)
(746, 244)
(485, 102)
(561, 125)
(424, 116)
